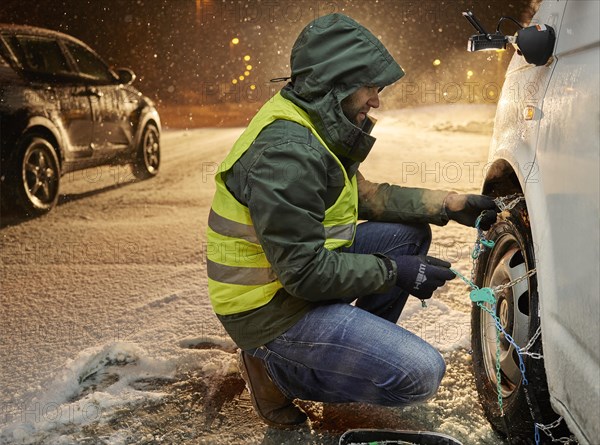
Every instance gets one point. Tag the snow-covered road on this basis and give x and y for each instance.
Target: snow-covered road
(106, 331)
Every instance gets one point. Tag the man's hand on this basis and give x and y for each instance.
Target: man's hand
(420, 275)
(464, 209)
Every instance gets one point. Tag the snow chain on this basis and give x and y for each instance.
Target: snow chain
(488, 295)
(547, 431)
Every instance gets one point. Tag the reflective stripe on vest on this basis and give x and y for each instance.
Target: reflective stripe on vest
(231, 228)
(345, 232)
(240, 277)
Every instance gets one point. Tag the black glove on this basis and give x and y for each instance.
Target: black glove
(420, 275)
(465, 209)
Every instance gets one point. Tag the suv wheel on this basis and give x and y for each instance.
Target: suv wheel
(517, 308)
(148, 154)
(36, 177)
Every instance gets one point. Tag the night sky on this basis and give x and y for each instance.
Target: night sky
(182, 50)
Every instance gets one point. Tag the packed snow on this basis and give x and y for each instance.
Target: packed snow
(107, 333)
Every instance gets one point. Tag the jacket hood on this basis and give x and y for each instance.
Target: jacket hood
(333, 57)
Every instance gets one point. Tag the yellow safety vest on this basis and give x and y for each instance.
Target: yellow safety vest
(240, 277)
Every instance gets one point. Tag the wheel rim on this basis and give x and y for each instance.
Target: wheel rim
(506, 263)
(40, 175)
(151, 151)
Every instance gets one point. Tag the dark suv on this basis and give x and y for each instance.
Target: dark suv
(62, 109)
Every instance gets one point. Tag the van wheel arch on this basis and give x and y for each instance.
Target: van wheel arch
(501, 179)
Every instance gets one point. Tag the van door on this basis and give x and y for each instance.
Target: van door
(568, 153)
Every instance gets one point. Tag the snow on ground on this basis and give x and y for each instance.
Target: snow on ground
(107, 333)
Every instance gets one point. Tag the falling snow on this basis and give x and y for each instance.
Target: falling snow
(187, 44)
(125, 348)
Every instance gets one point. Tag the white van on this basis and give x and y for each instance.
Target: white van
(544, 156)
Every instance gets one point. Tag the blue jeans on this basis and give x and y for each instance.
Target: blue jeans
(343, 353)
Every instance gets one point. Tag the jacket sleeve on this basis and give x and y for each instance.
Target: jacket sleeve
(393, 203)
(286, 186)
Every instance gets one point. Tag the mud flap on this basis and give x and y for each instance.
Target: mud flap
(390, 437)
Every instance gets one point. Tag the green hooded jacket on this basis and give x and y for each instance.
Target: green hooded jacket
(287, 179)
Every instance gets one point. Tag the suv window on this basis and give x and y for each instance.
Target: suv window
(90, 66)
(39, 55)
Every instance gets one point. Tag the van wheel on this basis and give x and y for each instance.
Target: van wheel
(35, 179)
(517, 308)
(147, 159)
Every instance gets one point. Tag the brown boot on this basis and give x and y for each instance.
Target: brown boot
(270, 404)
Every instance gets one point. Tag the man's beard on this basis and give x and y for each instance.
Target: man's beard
(352, 111)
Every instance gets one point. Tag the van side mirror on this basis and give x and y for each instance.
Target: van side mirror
(535, 43)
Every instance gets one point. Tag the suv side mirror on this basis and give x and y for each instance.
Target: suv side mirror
(535, 43)
(125, 76)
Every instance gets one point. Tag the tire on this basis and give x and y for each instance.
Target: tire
(35, 177)
(517, 307)
(147, 160)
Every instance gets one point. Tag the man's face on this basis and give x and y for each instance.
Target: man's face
(357, 105)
